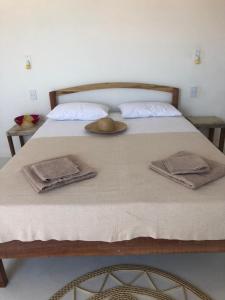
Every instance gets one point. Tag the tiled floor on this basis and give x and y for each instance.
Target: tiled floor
(37, 279)
(3, 160)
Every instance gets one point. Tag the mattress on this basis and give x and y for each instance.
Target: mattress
(53, 128)
(125, 200)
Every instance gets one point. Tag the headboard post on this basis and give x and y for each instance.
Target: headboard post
(115, 85)
(53, 100)
(175, 97)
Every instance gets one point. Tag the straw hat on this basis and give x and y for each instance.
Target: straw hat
(106, 126)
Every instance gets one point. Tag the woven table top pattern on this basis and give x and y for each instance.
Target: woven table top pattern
(129, 282)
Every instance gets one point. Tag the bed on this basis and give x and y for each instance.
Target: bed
(178, 221)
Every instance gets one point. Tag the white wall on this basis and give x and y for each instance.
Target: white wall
(83, 41)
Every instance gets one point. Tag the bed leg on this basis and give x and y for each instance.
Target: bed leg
(3, 277)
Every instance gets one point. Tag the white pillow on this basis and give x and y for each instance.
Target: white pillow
(148, 109)
(78, 111)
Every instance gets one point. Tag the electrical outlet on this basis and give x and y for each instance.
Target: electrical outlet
(33, 95)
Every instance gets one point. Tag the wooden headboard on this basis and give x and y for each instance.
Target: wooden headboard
(115, 85)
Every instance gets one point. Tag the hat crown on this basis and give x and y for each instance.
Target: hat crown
(106, 124)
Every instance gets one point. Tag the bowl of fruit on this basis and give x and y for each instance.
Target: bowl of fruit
(27, 121)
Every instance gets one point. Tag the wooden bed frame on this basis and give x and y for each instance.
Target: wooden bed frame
(139, 246)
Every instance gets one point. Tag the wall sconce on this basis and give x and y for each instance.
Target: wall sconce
(28, 64)
(197, 57)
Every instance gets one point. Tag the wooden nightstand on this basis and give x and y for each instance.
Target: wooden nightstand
(20, 132)
(211, 123)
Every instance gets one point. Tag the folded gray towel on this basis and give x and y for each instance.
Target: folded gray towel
(192, 181)
(185, 162)
(85, 172)
(55, 168)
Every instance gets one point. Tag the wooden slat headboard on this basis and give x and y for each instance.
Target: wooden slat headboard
(115, 85)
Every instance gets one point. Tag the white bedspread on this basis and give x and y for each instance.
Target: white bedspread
(125, 200)
(53, 128)
(118, 204)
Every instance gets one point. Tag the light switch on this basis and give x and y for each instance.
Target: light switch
(194, 92)
(33, 95)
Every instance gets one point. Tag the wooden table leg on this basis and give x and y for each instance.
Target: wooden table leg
(3, 277)
(21, 140)
(211, 134)
(222, 139)
(11, 146)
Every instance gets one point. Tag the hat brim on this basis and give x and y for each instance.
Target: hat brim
(118, 127)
